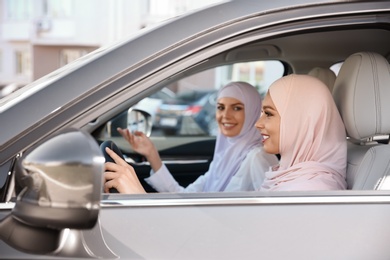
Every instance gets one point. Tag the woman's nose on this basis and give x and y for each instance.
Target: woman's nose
(226, 113)
(259, 122)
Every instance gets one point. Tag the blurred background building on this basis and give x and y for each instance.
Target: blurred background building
(40, 36)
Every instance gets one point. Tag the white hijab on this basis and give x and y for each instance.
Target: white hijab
(231, 151)
(312, 144)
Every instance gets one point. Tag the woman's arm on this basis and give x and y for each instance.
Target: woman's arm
(163, 181)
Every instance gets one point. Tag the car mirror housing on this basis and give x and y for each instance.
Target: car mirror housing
(139, 120)
(61, 180)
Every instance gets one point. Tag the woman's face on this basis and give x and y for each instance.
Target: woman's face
(269, 126)
(230, 116)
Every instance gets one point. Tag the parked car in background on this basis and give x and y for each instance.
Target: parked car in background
(51, 205)
(152, 103)
(190, 113)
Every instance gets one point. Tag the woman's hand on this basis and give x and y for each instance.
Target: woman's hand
(143, 145)
(121, 176)
(138, 141)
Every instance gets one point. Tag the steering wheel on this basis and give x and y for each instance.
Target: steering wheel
(110, 144)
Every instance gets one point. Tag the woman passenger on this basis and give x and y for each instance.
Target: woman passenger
(300, 121)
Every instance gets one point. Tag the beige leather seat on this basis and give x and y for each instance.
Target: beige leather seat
(326, 75)
(362, 95)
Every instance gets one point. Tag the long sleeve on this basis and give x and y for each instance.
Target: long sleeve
(249, 177)
(251, 173)
(163, 181)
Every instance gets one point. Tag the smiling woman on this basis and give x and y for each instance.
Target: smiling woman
(303, 125)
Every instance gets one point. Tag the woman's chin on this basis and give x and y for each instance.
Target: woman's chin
(270, 150)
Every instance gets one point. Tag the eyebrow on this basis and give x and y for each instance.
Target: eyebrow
(269, 107)
(239, 103)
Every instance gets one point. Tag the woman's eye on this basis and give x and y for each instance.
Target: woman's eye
(238, 108)
(266, 113)
(220, 107)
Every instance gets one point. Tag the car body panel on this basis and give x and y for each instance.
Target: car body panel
(254, 226)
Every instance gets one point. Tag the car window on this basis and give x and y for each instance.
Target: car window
(190, 110)
(183, 118)
(186, 108)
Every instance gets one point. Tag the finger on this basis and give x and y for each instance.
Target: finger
(117, 159)
(123, 133)
(107, 179)
(108, 166)
(120, 130)
(108, 185)
(131, 138)
(139, 133)
(127, 135)
(110, 173)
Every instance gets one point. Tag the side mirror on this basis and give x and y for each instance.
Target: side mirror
(139, 120)
(134, 119)
(61, 182)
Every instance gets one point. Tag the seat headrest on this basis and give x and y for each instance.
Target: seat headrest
(327, 76)
(362, 95)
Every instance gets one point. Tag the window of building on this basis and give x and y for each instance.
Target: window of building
(23, 63)
(57, 8)
(18, 10)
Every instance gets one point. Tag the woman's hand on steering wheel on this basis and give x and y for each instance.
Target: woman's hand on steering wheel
(121, 176)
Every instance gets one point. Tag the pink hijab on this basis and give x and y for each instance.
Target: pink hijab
(312, 145)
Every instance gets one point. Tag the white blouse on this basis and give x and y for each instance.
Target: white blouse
(249, 176)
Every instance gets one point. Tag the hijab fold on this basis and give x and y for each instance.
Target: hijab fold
(312, 144)
(231, 151)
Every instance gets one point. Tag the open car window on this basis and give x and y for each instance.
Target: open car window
(183, 118)
(187, 107)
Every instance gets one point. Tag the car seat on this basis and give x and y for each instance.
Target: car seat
(362, 95)
(327, 76)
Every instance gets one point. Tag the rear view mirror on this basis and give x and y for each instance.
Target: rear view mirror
(61, 181)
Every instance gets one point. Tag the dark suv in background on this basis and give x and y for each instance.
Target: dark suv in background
(190, 113)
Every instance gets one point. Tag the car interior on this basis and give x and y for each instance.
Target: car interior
(363, 86)
(319, 53)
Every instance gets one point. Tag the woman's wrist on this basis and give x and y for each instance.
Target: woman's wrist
(154, 160)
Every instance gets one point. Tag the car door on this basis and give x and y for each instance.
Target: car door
(282, 225)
